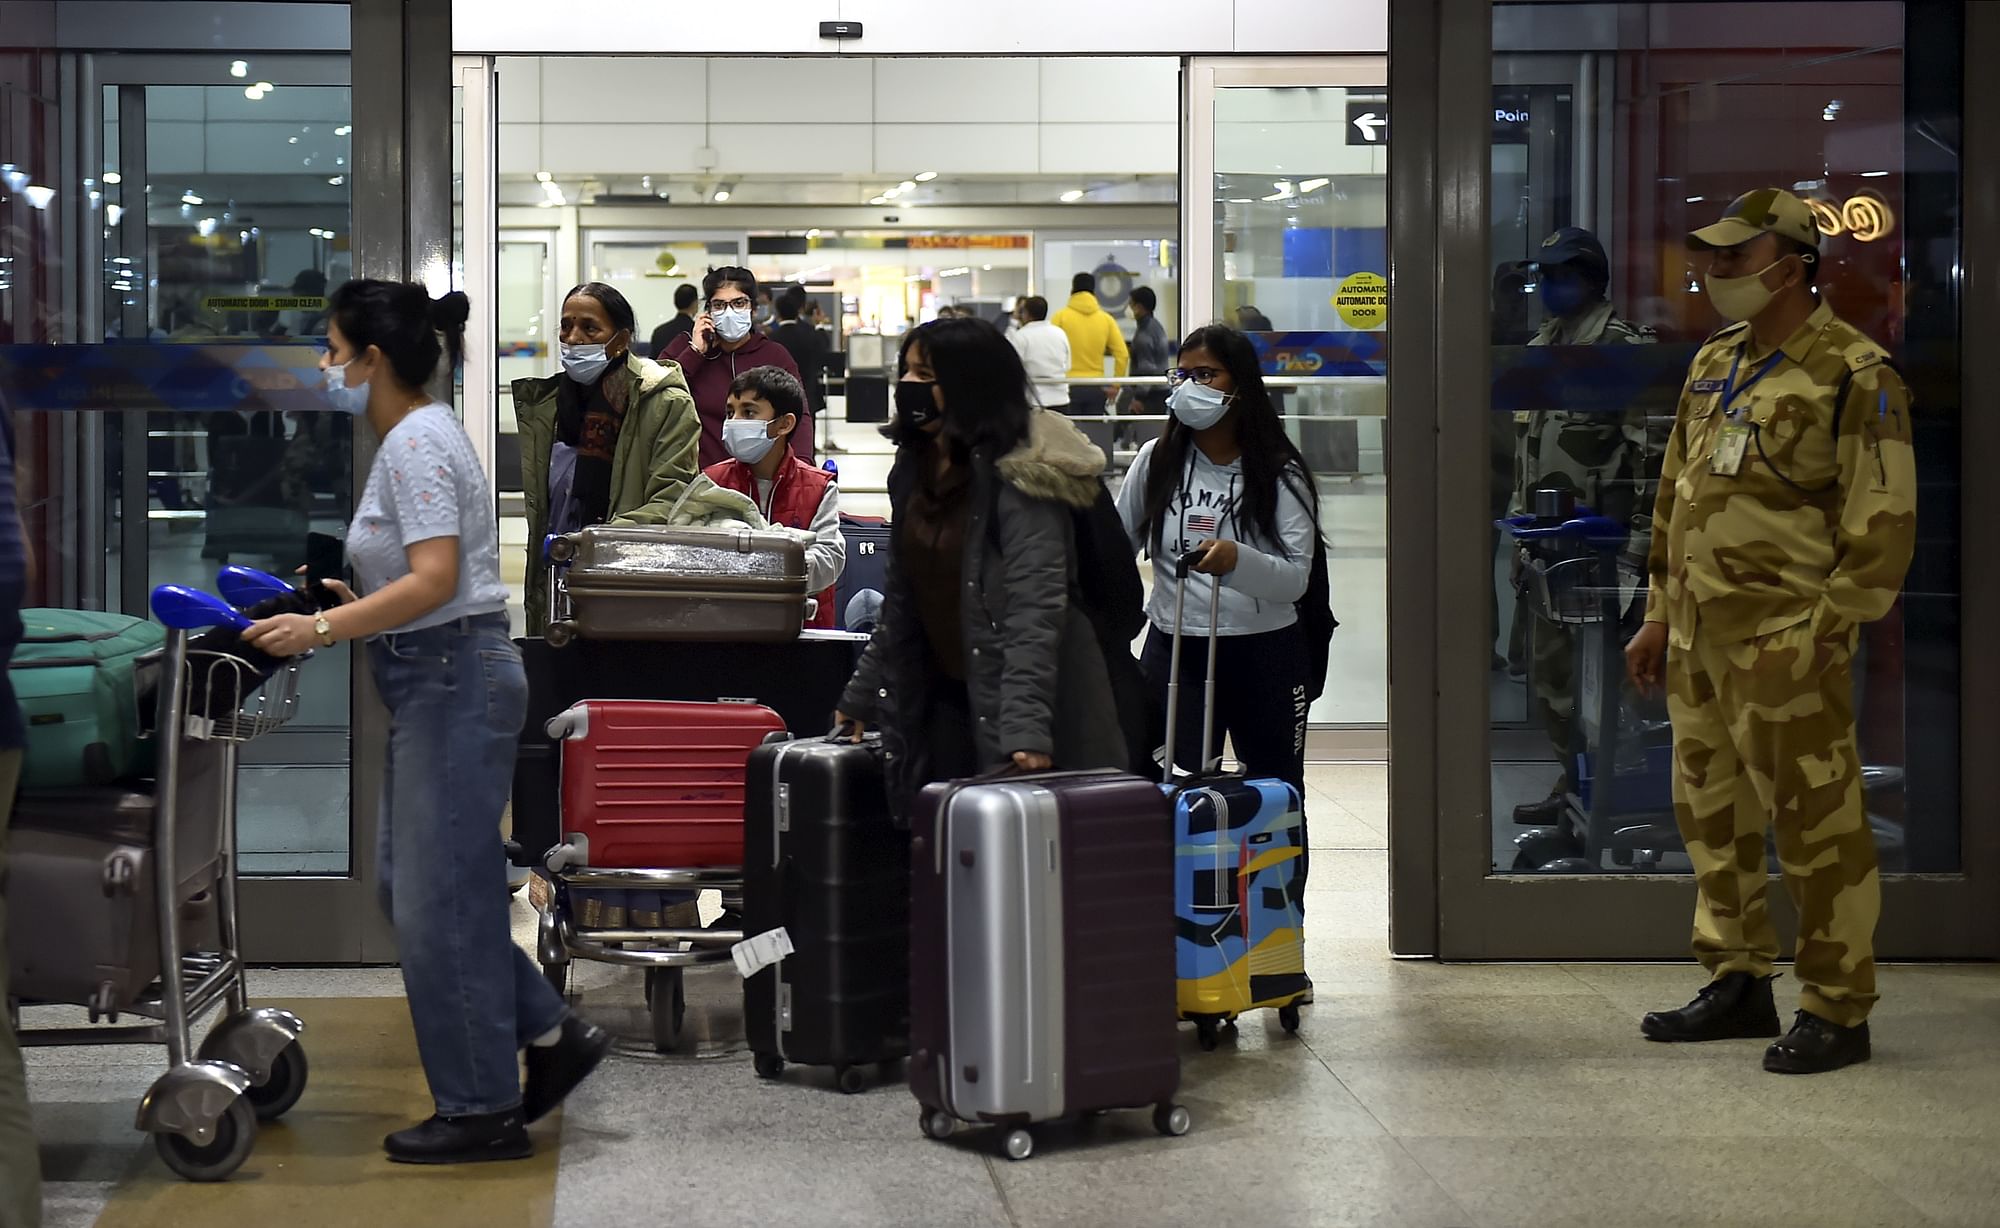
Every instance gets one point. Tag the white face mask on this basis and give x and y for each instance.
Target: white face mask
(1198, 406)
(746, 439)
(585, 363)
(733, 324)
(347, 400)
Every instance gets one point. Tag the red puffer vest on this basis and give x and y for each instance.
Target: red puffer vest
(795, 500)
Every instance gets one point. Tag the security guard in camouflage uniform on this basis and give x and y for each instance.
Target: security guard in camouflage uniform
(1786, 518)
(1607, 460)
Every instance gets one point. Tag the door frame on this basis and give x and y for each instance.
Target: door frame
(1445, 900)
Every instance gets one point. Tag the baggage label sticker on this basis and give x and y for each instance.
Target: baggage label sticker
(753, 955)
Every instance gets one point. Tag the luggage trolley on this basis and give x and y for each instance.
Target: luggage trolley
(665, 953)
(1620, 761)
(203, 1112)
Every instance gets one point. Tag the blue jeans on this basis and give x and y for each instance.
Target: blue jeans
(457, 697)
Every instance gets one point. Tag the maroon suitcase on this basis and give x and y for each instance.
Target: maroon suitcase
(1042, 952)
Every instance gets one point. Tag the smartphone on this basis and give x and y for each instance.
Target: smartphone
(326, 559)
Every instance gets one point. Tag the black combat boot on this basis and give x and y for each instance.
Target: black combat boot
(1733, 1006)
(1546, 813)
(470, 1139)
(1816, 1045)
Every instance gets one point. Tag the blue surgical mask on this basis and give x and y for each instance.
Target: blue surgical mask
(733, 324)
(345, 399)
(585, 363)
(1565, 296)
(1198, 406)
(747, 440)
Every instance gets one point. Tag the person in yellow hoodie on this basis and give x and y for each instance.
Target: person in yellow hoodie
(1093, 335)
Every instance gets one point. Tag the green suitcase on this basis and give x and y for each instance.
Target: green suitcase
(79, 676)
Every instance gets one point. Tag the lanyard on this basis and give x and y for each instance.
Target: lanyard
(1731, 389)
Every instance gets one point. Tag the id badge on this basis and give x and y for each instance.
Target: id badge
(1730, 446)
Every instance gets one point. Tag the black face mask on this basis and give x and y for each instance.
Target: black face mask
(914, 403)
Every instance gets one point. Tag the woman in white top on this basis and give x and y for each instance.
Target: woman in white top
(426, 552)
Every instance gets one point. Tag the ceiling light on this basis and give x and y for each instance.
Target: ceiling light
(340, 161)
(723, 191)
(253, 93)
(1873, 174)
(986, 268)
(189, 198)
(114, 214)
(343, 130)
(1313, 185)
(1072, 196)
(113, 177)
(336, 180)
(205, 227)
(879, 200)
(545, 204)
(908, 185)
(38, 196)
(239, 68)
(892, 193)
(543, 176)
(926, 176)
(721, 195)
(291, 140)
(813, 233)
(266, 86)
(1695, 200)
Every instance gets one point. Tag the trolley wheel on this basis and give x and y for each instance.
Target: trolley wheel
(767, 1065)
(850, 1079)
(1207, 1033)
(559, 634)
(1020, 1144)
(1171, 1120)
(235, 1135)
(936, 1123)
(1288, 1017)
(667, 997)
(277, 1094)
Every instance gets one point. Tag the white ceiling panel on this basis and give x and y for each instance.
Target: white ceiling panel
(979, 149)
(1111, 149)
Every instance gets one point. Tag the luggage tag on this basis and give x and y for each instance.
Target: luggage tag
(1731, 445)
(753, 955)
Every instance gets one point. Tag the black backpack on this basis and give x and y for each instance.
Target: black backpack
(1316, 620)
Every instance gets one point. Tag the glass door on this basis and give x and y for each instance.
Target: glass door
(1610, 139)
(1285, 210)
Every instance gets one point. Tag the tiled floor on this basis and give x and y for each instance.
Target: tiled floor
(1415, 1094)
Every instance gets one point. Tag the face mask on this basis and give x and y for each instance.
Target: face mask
(584, 363)
(1197, 405)
(1741, 298)
(914, 403)
(763, 315)
(345, 399)
(1564, 296)
(733, 324)
(746, 440)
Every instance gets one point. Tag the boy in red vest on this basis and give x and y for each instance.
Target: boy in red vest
(765, 407)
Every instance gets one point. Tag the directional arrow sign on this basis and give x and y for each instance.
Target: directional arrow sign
(1367, 123)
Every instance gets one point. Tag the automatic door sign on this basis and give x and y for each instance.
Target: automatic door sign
(1363, 301)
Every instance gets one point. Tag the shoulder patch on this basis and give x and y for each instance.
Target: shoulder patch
(1862, 358)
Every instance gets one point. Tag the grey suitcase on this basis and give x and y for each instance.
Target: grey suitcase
(82, 910)
(1042, 952)
(679, 584)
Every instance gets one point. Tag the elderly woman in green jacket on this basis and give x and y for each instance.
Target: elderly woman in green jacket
(613, 438)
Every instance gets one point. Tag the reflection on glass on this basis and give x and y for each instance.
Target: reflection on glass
(1611, 141)
(1301, 210)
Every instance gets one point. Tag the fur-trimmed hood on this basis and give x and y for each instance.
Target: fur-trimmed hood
(1057, 462)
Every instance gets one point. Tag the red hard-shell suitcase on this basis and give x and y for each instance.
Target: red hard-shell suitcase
(657, 784)
(1042, 952)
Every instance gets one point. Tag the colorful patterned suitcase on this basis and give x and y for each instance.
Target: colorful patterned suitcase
(1041, 965)
(1239, 874)
(657, 784)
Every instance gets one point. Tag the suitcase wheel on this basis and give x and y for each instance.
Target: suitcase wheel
(1020, 1144)
(1208, 1033)
(768, 1065)
(559, 634)
(850, 1079)
(235, 1135)
(936, 1123)
(1171, 1120)
(1288, 1017)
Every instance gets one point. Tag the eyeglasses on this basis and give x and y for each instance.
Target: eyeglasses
(1200, 375)
(727, 304)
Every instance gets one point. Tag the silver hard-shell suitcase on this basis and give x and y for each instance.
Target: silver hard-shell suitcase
(613, 582)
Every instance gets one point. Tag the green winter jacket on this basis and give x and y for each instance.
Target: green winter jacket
(650, 469)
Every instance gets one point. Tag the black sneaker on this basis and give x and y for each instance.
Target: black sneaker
(1816, 1045)
(555, 1070)
(1731, 1007)
(471, 1139)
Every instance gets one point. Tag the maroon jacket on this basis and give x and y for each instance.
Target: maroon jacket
(709, 378)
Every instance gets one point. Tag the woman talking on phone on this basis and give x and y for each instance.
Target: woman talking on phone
(1226, 485)
(425, 545)
(723, 345)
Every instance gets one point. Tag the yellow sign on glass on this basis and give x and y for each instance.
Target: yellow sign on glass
(1363, 300)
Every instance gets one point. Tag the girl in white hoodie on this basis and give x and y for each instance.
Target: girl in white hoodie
(1226, 485)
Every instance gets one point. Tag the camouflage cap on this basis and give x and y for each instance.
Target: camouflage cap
(1753, 213)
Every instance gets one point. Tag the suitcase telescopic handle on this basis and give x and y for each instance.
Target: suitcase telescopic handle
(1183, 572)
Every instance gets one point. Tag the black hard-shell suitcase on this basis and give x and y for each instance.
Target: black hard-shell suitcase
(823, 861)
(867, 569)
